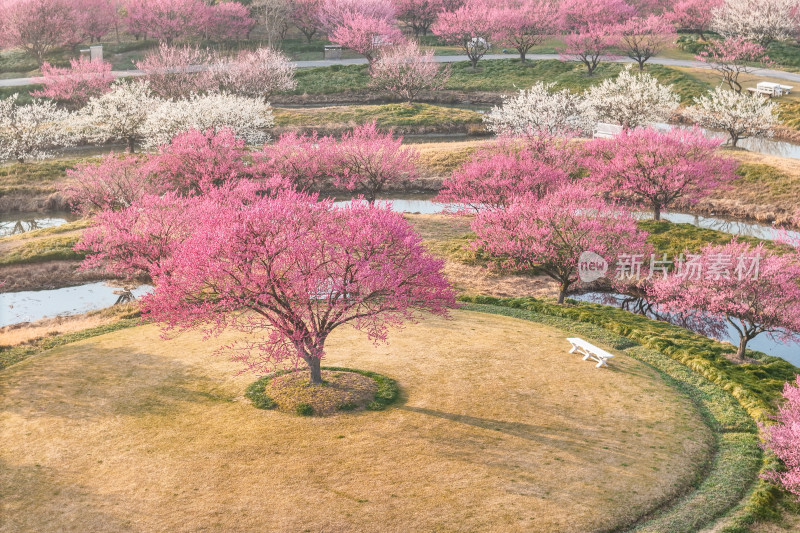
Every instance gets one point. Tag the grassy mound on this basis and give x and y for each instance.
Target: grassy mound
(343, 389)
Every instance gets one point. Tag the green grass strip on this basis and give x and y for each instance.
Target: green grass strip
(730, 487)
(14, 354)
(386, 393)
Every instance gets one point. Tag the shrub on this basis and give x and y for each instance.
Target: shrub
(303, 409)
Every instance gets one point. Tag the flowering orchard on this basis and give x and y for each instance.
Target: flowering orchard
(750, 288)
(497, 176)
(549, 234)
(659, 169)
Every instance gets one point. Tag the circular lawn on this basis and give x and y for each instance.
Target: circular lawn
(498, 428)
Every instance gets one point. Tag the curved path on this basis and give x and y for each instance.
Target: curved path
(690, 63)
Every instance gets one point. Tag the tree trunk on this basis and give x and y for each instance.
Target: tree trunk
(656, 212)
(474, 61)
(641, 64)
(522, 54)
(131, 145)
(742, 348)
(562, 292)
(314, 364)
(734, 140)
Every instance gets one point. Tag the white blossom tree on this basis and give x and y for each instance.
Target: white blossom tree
(257, 74)
(249, 118)
(538, 109)
(738, 114)
(763, 22)
(630, 100)
(119, 114)
(405, 71)
(31, 131)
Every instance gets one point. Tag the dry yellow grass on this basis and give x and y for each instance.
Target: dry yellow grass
(500, 429)
(20, 333)
(438, 230)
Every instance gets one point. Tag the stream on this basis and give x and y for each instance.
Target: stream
(424, 204)
(789, 351)
(29, 306)
(16, 223)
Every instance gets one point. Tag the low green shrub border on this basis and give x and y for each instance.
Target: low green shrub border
(386, 393)
(14, 354)
(730, 397)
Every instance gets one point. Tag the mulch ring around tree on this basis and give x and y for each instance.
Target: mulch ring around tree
(342, 390)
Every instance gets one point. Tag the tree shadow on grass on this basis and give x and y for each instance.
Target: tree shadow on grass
(570, 440)
(86, 382)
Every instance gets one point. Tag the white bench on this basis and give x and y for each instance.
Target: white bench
(590, 351)
(603, 130)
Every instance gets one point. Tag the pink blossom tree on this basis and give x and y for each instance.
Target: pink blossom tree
(589, 44)
(256, 73)
(366, 160)
(659, 169)
(405, 71)
(366, 35)
(550, 234)
(333, 13)
(642, 38)
(178, 71)
(289, 271)
(38, 26)
(226, 21)
(733, 56)
(304, 15)
(96, 18)
(468, 27)
(419, 15)
(74, 86)
(136, 240)
(576, 15)
(694, 15)
(113, 184)
(498, 175)
(783, 439)
(752, 289)
(306, 161)
(523, 24)
(194, 162)
(166, 20)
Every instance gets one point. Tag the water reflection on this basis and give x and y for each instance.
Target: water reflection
(28, 306)
(423, 203)
(763, 343)
(754, 144)
(727, 225)
(16, 223)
